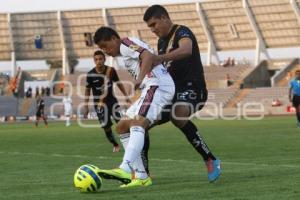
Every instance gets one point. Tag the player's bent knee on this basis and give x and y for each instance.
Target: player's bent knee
(122, 127)
(141, 121)
(179, 123)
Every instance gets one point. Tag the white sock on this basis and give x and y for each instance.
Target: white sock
(67, 120)
(124, 139)
(134, 148)
(139, 168)
(138, 165)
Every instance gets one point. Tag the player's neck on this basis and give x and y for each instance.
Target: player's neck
(100, 69)
(169, 29)
(171, 25)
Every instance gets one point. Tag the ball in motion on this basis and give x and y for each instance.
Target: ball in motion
(86, 178)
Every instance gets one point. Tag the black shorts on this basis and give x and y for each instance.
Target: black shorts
(39, 113)
(190, 93)
(296, 101)
(105, 112)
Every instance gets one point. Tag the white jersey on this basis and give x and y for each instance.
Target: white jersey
(67, 101)
(157, 87)
(130, 50)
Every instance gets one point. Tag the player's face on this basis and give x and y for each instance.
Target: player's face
(99, 60)
(159, 26)
(110, 47)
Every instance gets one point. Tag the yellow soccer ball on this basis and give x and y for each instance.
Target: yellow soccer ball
(86, 178)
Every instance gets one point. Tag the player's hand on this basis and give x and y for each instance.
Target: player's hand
(128, 103)
(157, 60)
(137, 85)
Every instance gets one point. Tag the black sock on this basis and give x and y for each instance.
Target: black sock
(193, 136)
(110, 137)
(298, 116)
(144, 153)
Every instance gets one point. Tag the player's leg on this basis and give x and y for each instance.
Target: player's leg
(106, 123)
(181, 121)
(68, 114)
(134, 147)
(296, 104)
(45, 120)
(110, 137)
(153, 100)
(123, 128)
(298, 114)
(145, 151)
(132, 165)
(182, 109)
(37, 121)
(142, 113)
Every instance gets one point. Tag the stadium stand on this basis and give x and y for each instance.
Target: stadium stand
(186, 14)
(287, 74)
(26, 27)
(129, 22)
(221, 96)
(266, 96)
(77, 26)
(4, 83)
(5, 42)
(8, 106)
(277, 22)
(216, 75)
(229, 25)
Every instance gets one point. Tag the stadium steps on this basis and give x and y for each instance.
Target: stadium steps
(285, 81)
(240, 95)
(25, 106)
(244, 74)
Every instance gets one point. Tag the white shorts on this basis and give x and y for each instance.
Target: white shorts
(152, 101)
(68, 111)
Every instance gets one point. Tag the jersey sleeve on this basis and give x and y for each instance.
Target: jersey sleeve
(114, 76)
(130, 49)
(88, 81)
(183, 32)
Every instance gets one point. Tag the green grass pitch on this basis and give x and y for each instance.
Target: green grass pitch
(260, 160)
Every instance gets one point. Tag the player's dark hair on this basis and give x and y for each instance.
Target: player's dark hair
(105, 33)
(98, 52)
(156, 11)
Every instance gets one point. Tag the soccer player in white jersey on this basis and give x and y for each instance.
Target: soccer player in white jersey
(67, 101)
(157, 90)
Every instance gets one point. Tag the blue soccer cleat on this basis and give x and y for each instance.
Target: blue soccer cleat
(213, 169)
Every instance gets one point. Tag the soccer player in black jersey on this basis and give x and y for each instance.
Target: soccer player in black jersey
(178, 50)
(100, 80)
(40, 106)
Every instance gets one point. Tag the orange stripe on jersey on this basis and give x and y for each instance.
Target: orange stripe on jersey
(130, 44)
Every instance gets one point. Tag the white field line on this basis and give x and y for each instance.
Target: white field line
(153, 159)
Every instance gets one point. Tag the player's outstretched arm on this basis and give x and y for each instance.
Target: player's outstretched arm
(86, 101)
(147, 60)
(184, 50)
(124, 92)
